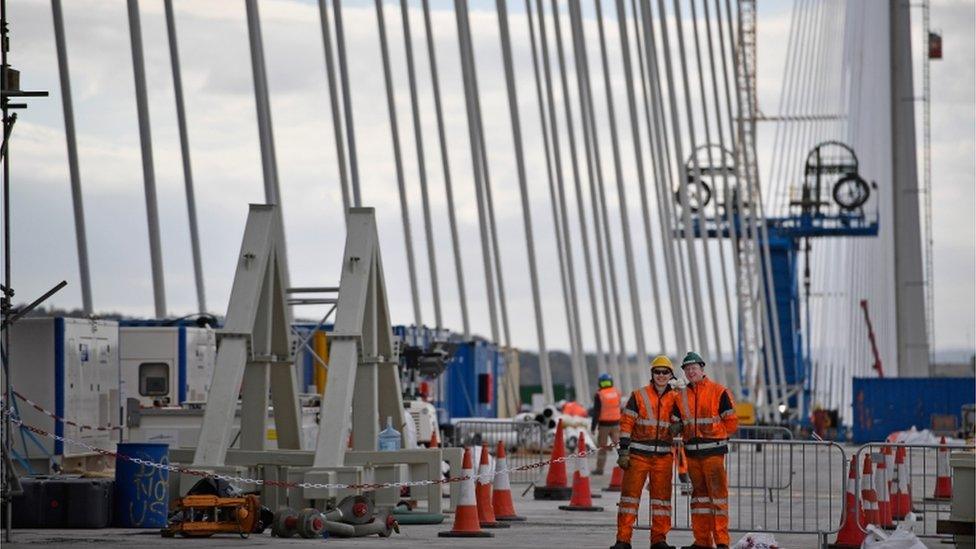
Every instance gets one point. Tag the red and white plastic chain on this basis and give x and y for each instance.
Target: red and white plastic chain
(284, 484)
(66, 421)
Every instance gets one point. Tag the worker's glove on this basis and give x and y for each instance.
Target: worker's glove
(678, 383)
(623, 460)
(676, 427)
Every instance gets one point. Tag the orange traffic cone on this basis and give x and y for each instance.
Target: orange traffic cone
(901, 494)
(850, 536)
(555, 488)
(486, 513)
(581, 500)
(466, 515)
(501, 494)
(434, 440)
(616, 480)
(943, 482)
(869, 497)
(881, 488)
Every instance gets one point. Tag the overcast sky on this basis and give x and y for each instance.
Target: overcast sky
(227, 168)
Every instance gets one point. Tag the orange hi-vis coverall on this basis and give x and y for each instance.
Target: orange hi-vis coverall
(708, 414)
(645, 436)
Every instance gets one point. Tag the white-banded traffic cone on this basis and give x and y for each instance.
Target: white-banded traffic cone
(869, 497)
(486, 512)
(466, 515)
(901, 497)
(943, 482)
(555, 488)
(884, 500)
(582, 499)
(501, 493)
(850, 535)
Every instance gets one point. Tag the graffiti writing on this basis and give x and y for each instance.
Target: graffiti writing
(148, 500)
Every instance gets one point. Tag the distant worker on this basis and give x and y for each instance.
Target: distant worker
(708, 420)
(646, 435)
(606, 419)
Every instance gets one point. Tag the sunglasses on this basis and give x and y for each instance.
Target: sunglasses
(661, 372)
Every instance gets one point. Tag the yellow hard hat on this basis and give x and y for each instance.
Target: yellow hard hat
(661, 361)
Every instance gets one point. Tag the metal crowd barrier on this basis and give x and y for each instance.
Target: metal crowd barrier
(921, 464)
(524, 442)
(790, 487)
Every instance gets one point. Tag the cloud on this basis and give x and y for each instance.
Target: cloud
(215, 59)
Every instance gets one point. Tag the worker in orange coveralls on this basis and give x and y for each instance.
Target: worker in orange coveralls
(708, 420)
(646, 435)
(606, 419)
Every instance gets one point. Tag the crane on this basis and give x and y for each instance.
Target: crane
(874, 346)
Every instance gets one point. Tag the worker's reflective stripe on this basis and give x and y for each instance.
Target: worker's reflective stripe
(627, 499)
(649, 448)
(684, 399)
(720, 512)
(630, 412)
(706, 445)
(661, 512)
(701, 511)
(707, 420)
(647, 401)
(703, 499)
(663, 502)
(720, 501)
(652, 422)
(626, 511)
(728, 413)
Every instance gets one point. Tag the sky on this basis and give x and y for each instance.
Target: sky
(226, 161)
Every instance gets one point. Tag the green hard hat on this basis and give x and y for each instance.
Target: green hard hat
(692, 358)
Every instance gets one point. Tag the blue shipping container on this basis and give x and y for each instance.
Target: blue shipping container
(882, 406)
(470, 381)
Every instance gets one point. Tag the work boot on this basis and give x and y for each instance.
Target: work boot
(621, 545)
(661, 545)
(722, 546)
(695, 546)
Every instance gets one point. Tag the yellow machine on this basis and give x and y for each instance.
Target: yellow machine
(746, 412)
(206, 515)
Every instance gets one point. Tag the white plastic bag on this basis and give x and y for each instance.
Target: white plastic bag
(756, 541)
(902, 538)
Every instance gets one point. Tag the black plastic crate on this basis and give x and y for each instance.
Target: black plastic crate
(64, 502)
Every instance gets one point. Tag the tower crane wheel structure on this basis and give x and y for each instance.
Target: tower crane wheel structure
(709, 167)
(831, 200)
(834, 165)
